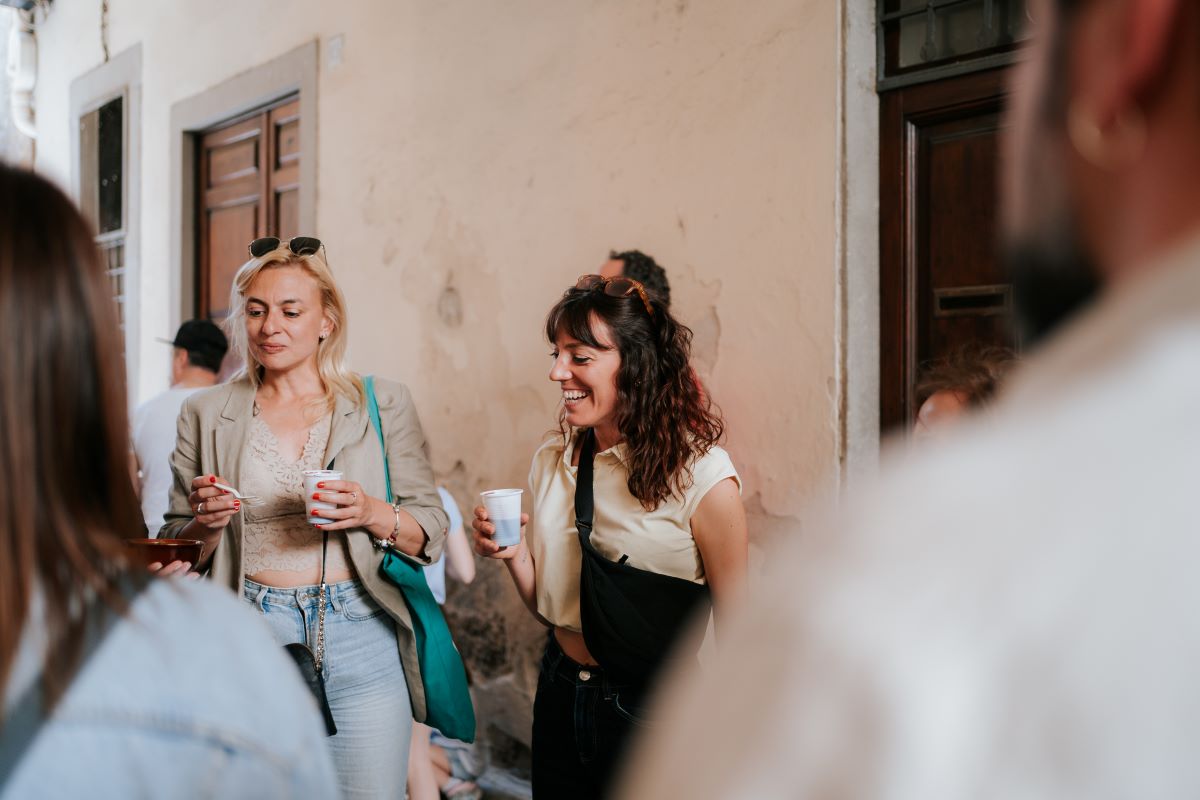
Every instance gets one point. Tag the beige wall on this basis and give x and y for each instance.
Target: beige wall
(474, 158)
(488, 153)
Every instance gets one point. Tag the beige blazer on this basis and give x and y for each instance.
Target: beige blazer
(212, 432)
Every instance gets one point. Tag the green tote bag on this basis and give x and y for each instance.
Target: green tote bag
(447, 700)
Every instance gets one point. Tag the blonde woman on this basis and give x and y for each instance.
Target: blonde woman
(296, 407)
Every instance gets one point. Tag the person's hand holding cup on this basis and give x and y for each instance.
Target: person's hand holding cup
(334, 504)
(499, 525)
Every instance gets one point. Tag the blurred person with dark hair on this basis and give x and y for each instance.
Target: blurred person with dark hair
(116, 684)
(637, 527)
(199, 346)
(642, 268)
(1013, 613)
(951, 387)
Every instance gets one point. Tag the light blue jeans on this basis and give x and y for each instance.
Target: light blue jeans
(364, 680)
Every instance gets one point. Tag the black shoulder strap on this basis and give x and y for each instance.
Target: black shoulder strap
(584, 505)
(24, 719)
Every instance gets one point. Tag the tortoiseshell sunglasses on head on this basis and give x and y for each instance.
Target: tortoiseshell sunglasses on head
(615, 287)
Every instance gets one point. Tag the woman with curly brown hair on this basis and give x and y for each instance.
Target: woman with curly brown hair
(638, 518)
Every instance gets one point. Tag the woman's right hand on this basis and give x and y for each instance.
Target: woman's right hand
(212, 507)
(482, 532)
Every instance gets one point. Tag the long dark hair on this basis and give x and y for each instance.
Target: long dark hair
(667, 419)
(66, 494)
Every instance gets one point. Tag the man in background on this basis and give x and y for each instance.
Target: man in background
(199, 348)
(1013, 612)
(642, 268)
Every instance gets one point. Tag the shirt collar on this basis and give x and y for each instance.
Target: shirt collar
(615, 453)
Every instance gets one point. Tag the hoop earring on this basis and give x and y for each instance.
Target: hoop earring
(1122, 144)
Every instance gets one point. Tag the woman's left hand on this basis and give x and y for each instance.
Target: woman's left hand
(355, 508)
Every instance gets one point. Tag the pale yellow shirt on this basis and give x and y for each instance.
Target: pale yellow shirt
(658, 541)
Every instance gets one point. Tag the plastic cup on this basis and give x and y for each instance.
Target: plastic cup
(504, 511)
(311, 478)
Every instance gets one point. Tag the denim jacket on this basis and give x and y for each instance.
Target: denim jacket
(188, 696)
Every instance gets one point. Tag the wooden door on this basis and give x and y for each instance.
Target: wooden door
(942, 284)
(249, 180)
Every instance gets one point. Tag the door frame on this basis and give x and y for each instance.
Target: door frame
(898, 238)
(294, 72)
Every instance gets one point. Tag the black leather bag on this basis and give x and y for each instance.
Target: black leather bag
(310, 663)
(631, 617)
(306, 662)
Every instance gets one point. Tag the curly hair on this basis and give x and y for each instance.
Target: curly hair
(646, 271)
(972, 370)
(668, 421)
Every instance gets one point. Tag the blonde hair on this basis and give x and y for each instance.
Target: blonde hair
(331, 354)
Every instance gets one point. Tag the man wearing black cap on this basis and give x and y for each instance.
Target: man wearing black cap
(199, 348)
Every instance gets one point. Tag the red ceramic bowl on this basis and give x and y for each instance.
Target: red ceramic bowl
(164, 551)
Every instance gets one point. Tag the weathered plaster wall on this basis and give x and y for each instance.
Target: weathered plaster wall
(474, 158)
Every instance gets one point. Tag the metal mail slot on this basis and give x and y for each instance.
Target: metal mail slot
(974, 301)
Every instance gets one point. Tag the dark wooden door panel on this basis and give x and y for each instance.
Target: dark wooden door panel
(284, 124)
(229, 228)
(249, 186)
(941, 281)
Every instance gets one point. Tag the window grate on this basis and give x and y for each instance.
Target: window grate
(923, 40)
(112, 254)
(102, 190)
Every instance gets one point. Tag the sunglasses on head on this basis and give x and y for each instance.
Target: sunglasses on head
(615, 287)
(300, 245)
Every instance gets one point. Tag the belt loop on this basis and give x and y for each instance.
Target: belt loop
(556, 654)
(335, 597)
(260, 598)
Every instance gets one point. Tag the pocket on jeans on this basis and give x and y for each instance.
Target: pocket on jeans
(359, 607)
(632, 715)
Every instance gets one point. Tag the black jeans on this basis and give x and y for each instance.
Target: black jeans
(581, 724)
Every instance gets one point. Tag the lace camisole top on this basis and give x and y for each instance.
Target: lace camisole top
(277, 535)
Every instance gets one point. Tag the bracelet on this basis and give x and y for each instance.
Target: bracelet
(395, 529)
(390, 542)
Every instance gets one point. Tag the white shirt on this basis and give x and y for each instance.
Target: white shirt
(659, 540)
(153, 442)
(1013, 614)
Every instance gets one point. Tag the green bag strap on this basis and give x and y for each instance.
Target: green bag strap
(373, 411)
(441, 665)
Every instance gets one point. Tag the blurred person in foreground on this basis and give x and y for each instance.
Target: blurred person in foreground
(158, 706)
(199, 347)
(1012, 614)
(949, 389)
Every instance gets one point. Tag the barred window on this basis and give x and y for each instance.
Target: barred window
(920, 40)
(102, 188)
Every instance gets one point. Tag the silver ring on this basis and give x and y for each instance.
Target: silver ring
(354, 495)
(200, 508)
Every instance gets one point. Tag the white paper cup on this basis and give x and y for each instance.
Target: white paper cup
(504, 511)
(311, 478)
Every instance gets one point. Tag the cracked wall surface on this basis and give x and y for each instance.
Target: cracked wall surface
(474, 158)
